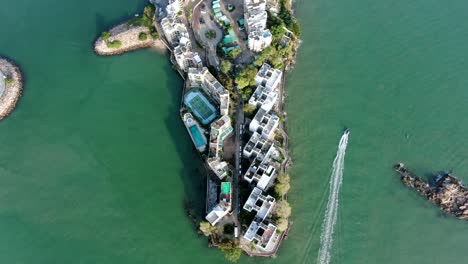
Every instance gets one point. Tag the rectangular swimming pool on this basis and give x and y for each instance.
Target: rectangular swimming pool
(197, 136)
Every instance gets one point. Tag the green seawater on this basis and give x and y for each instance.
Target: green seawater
(95, 165)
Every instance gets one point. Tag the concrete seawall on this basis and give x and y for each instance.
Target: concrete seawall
(128, 36)
(12, 86)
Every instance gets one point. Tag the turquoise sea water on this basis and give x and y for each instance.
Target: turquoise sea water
(95, 165)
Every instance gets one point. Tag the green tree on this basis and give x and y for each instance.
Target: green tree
(278, 31)
(282, 186)
(142, 36)
(234, 53)
(225, 66)
(207, 229)
(114, 44)
(211, 34)
(148, 11)
(9, 81)
(283, 209)
(233, 255)
(246, 77)
(231, 250)
(229, 229)
(249, 110)
(266, 55)
(282, 224)
(105, 35)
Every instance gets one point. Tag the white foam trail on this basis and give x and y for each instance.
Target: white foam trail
(331, 214)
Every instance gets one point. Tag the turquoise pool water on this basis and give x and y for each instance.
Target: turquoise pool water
(197, 136)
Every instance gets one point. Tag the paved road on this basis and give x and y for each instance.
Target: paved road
(238, 156)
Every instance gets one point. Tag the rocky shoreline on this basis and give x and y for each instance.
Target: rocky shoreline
(129, 39)
(12, 86)
(446, 191)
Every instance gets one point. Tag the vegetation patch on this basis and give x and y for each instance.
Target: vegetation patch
(142, 36)
(114, 44)
(211, 34)
(9, 80)
(105, 35)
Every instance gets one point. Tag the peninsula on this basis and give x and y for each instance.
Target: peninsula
(446, 191)
(233, 56)
(11, 86)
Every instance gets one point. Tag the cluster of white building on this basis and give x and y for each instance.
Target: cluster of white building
(220, 128)
(177, 34)
(264, 156)
(199, 77)
(255, 17)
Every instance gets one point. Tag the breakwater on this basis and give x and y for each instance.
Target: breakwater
(128, 36)
(446, 191)
(11, 86)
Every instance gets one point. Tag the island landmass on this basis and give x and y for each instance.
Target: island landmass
(11, 86)
(233, 56)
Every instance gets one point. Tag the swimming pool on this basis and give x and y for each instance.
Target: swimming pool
(197, 136)
(200, 106)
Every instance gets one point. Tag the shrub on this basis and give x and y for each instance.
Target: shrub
(246, 77)
(114, 44)
(9, 81)
(234, 53)
(249, 110)
(207, 229)
(211, 34)
(226, 66)
(282, 186)
(105, 35)
(154, 35)
(283, 209)
(282, 224)
(229, 229)
(143, 36)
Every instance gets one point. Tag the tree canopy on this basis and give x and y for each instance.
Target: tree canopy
(207, 229)
(246, 77)
(226, 66)
(282, 186)
(282, 224)
(283, 209)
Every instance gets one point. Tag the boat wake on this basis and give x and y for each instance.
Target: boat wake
(331, 213)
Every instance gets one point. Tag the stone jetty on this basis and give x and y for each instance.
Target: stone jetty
(11, 86)
(128, 36)
(446, 191)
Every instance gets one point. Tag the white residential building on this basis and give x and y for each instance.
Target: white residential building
(204, 79)
(262, 171)
(264, 98)
(259, 40)
(255, 17)
(264, 124)
(268, 77)
(262, 233)
(220, 130)
(224, 206)
(259, 203)
(218, 166)
(174, 29)
(258, 229)
(185, 57)
(174, 7)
